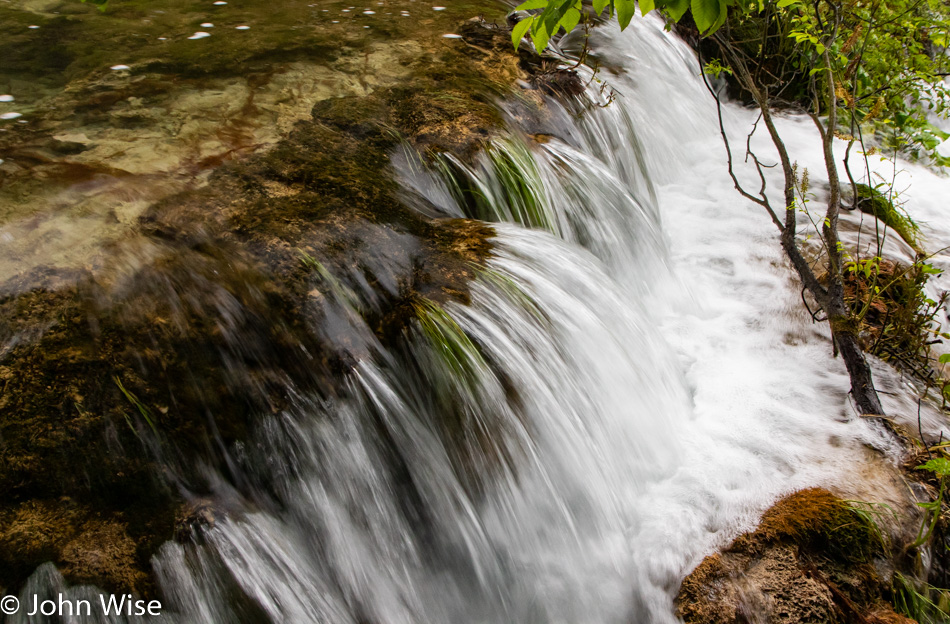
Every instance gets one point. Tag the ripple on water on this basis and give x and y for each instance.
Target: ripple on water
(200, 35)
(6, 98)
(10, 115)
(242, 27)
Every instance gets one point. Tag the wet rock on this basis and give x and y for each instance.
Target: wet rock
(103, 554)
(516, 16)
(195, 517)
(811, 560)
(67, 148)
(562, 82)
(220, 300)
(87, 546)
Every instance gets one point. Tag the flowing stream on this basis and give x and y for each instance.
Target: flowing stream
(635, 381)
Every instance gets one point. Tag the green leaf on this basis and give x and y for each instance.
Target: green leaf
(945, 358)
(570, 20)
(540, 35)
(646, 6)
(938, 465)
(708, 14)
(676, 9)
(785, 3)
(518, 32)
(532, 4)
(546, 25)
(626, 9)
(600, 5)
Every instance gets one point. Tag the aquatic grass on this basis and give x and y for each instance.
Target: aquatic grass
(142, 409)
(511, 289)
(341, 292)
(920, 601)
(508, 189)
(467, 189)
(462, 393)
(870, 515)
(517, 173)
(451, 345)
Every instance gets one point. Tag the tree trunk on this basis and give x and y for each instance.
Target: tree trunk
(862, 386)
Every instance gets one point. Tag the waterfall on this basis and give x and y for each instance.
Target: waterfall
(633, 382)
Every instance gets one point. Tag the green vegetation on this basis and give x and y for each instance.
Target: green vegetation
(913, 596)
(897, 320)
(922, 602)
(451, 344)
(518, 196)
(142, 409)
(873, 202)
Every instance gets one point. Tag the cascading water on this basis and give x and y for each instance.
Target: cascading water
(621, 397)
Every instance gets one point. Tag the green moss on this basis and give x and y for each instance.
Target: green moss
(873, 202)
(818, 520)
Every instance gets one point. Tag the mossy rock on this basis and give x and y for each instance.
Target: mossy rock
(87, 546)
(815, 519)
(809, 561)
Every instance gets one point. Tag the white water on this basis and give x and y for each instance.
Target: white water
(666, 388)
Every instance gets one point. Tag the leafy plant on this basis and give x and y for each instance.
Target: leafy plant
(564, 15)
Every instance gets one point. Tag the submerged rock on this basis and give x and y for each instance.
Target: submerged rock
(129, 371)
